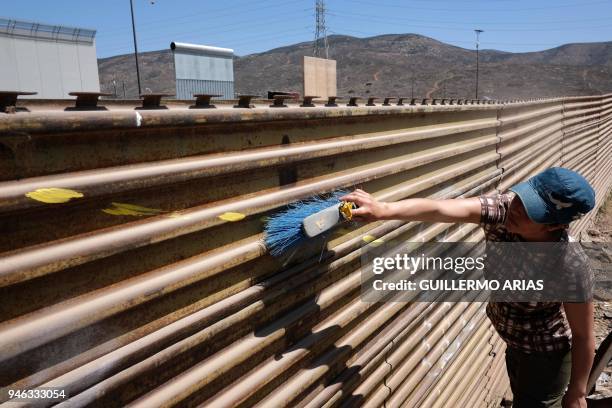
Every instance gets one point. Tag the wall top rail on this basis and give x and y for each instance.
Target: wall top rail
(74, 121)
(45, 116)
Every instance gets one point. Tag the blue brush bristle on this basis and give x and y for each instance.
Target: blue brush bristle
(284, 230)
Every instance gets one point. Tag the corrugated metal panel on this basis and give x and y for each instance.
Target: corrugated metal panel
(530, 136)
(179, 307)
(582, 146)
(203, 67)
(204, 70)
(186, 88)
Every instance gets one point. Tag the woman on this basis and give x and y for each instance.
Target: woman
(550, 345)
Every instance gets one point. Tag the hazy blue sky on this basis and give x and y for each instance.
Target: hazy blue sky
(250, 26)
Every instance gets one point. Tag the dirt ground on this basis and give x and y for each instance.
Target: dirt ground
(600, 231)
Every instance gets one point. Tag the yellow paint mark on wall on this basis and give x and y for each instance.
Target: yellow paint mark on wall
(53, 195)
(369, 238)
(372, 240)
(232, 216)
(130, 209)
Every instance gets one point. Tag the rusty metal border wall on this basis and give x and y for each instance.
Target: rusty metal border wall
(148, 289)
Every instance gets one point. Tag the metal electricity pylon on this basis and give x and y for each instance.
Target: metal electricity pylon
(321, 48)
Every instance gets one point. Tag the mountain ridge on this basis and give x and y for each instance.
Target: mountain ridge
(395, 64)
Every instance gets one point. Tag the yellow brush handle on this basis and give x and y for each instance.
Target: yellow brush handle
(346, 209)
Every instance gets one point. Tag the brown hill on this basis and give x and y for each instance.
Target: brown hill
(118, 74)
(392, 64)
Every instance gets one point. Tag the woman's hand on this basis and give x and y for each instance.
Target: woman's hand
(370, 209)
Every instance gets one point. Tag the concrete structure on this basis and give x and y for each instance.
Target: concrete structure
(51, 60)
(319, 77)
(201, 69)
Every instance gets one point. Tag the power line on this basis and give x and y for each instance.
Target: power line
(463, 9)
(198, 22)
(332, 12)
(196, 15)
(293, 32)
(274, 37)
(213, 29)
(372, 18)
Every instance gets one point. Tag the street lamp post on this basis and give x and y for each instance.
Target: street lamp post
(135, 47)
(477, 57)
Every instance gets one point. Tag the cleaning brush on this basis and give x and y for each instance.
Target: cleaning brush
(305, 219)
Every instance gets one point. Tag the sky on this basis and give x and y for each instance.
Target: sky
(249, 26)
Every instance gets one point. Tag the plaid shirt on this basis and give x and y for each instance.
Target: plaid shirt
(527, 326)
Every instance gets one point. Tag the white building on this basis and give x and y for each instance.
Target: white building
(50, 60)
